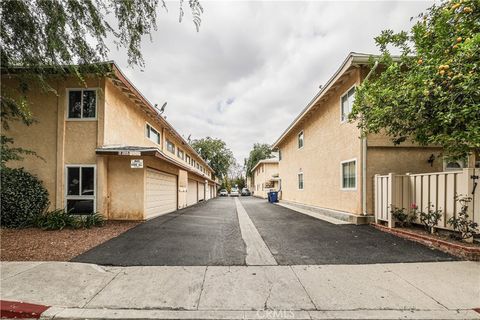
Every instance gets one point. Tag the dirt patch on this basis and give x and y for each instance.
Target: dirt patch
(60, 245)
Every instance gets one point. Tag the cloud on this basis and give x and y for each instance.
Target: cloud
(255, 65)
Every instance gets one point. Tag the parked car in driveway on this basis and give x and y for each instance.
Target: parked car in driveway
(234, 192)
(223, 193)
(246, 192)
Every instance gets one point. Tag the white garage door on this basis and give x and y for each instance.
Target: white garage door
(201, 191)
(191, 192)
(207, 192)
(161, 193)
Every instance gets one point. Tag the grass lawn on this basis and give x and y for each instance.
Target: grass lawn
(59, 245)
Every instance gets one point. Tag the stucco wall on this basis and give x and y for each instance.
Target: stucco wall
(263, 173)
(125, 125)
(328, 142)
(126, 190)
(54, 139)
(400, 160)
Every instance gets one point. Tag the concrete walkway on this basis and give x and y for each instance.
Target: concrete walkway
(446, 290)
(258, 253)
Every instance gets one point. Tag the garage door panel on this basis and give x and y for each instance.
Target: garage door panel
(161, 193)
(201, 191)
(192, 192)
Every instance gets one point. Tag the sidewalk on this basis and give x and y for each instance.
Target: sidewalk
(448, 290)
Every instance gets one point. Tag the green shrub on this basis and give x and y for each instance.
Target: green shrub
(23, 198)
(91, 220)
(462, 224)
(60, 219)
(402, 217)
(430, 218)
(56, 220)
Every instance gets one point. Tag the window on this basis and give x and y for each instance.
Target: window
(152, 134)
(180, 153)
(82, 104)
(188, 159)
(349, 174)
(300, 181)
(347, 103)
(454, 165)
(80, 189)
(300, 140)
(279, 155)
(170, 146)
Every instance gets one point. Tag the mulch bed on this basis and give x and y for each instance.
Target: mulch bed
(60, 245)
(441, 241)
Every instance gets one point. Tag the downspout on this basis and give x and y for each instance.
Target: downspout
(364, 156)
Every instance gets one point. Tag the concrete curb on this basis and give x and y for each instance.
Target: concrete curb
(93, 314)
(21, 310)
(458, 250)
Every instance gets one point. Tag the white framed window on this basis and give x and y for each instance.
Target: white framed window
(346, 104)
(80, 189)
(301, 139)
(152, 134)
(453, 165)
(349, 174)
(170, 146)
(188, 159)
(82, 104)
(300, 181)
(180, 153)
(279, 155)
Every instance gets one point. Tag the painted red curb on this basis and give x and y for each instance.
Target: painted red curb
(21, 310)
(465, 252)
(477, 310)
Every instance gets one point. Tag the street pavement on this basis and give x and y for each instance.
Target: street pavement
(251, 231)
(248, 259)
(439, 290)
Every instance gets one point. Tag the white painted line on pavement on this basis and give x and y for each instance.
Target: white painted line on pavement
(258, 253)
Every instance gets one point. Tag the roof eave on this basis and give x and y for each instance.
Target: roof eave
(351, 60)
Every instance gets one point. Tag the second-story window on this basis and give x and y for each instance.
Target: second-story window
(187, 159)
(180, 154)
(170, 146)
(347, 103)
(82, 104)
(300, 140)
(152, 134)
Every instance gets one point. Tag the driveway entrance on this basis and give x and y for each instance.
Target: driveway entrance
(209, 233)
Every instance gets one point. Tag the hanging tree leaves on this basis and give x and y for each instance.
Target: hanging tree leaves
(60, 37)
(430, 93)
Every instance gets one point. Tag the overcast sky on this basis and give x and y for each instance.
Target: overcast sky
(254, 65)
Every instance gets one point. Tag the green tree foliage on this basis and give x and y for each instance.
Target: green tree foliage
(239, 182)
(24, 198)
(60, 37)
(259, 152)
(216, 154)
(430, 93)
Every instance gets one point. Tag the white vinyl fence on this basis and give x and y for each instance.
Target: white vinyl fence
(438, 189)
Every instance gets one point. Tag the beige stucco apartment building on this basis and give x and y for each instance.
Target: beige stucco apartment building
(106, 149)
(265, 177)
(325, 166)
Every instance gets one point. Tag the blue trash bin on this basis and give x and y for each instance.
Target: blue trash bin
(273, 196)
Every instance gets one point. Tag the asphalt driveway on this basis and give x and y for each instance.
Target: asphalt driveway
(205, 234)
(209, 234)
(295, 238)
